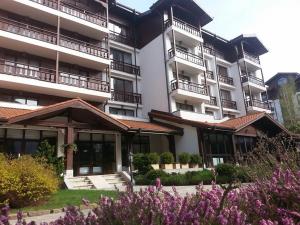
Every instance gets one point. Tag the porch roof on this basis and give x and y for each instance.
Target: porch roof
(14, 115)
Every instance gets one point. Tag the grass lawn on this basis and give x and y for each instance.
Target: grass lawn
(70, 197)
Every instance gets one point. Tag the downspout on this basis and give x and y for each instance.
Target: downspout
(136, 80)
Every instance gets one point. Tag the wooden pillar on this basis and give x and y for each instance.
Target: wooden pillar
(172, 145)
(69, 151)
(235, 153)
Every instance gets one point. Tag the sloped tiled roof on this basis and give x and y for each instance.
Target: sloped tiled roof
(7, 113)
(240, 122)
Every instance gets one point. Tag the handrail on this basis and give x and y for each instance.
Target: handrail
(125, 67)
(190, 57)
(49, 3)
(82, 46)
(184, 26)
(229, 104)
(253, 79)
(251, 57)
(189, 86)
(27, 30)
(209, 50)
(258, 103)
(128, 97)
(114, 36)
(226, 79)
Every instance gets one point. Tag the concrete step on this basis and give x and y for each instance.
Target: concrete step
(80, 183)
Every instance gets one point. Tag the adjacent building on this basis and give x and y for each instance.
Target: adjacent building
(114, 80)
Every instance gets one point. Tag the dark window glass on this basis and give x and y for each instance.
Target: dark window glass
(121, 56)
(31, 147)
(141, 144)
(121, 85)
(226, 95)
(122, 112)
(222, 70)
(186, 107)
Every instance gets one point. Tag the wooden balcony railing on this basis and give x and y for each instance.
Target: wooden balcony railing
(258, 103)
(186, 56)
(82, 46)
(128, 97)
(74, 11)
(183, 26)
(49, 75)
(125, 67)
(226, 79)
(251, 57)
(209, 75)
(229, 104)
(188, 86)
(213, 101)
(27, 71)
(127, 40)
(27, 30)
(83, 82)
(37, 33)
(252, 79)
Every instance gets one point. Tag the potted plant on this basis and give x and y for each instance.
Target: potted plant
(153, 158)
(167, 160)
(195, 160)
(184, 159)
(176, 165)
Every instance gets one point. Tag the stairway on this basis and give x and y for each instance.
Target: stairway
(114, 180)
(79, 183)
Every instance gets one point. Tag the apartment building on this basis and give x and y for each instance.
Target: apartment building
(114, 81)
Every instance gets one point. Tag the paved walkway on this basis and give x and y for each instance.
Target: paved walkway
(182, 190)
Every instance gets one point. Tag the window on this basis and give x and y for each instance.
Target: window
(222, 70)
(25, 101)
(120, 85)
(208, 112)
(229, 115)
(120, 56)
(121, 112)
(184, 78)
(225, 95)
(141, 144)
(118, 29)
(186, 107)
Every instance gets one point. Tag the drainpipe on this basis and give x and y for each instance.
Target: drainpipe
(135, 45)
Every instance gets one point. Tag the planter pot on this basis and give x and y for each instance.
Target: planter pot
(167, 166)
(176, 166)
(155, 166)
(184, 166)
(194, 166)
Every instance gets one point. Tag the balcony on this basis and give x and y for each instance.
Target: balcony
(184, 32)
(226, 80)
(26, 38)
(189, 62)
(125, 67)
(190, 115)
(18, 76)
(252, 61)
(72, 17)
(126, 40)
(213, 101)
(127, 97)
(187, 90)
(209, 75)
(209, 50)
(256, 84)
(256, 105)
(228, 104)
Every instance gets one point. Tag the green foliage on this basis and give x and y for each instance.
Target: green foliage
(154, 174)
(195, 178)
(47, 153)
(175, 179)
(227, 170)
(166, 158)
(184, 158)
(195, 159)
(25, 181)
(153, 158)
(141, 163)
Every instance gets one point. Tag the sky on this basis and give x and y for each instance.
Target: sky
(275, 22)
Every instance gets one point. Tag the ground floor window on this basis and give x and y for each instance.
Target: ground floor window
(218, 148)
(16, 141)
(245, 144)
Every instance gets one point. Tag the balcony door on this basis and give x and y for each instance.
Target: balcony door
(225, 95)
(121, 56)
(222, 70)
(123, 89)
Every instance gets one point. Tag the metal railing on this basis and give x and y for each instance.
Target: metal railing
(208, 50)
(188, 86)
(183, 26)
(226, 79)
(82, 46)
(251, 57)
(27, 71)
(252, 79)
(128, 97)
(125, 67)
(186, 56)
(83, 82)
(74, 11)
(209, 75)
(258, 104)
(229, 104)
(213, 101)
(127, 40)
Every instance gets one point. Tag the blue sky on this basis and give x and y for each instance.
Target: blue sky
(275, 22)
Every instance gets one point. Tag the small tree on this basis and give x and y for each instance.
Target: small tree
(184, 158)
(47, 154)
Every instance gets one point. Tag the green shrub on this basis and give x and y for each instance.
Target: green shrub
(47, 153)
(25, 181)
(184, 158)
(142, 180)
(174, 179)
(153, 158)
(154, 174)
(197, 177)
(195, 159)
(166, 158)
(227, 170)
(141, 163)
(242, 175)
